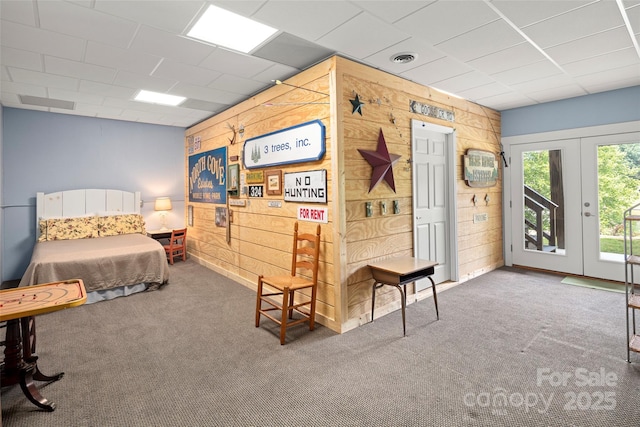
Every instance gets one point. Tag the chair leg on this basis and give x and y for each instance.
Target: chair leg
(312, 314)
(259, 301)
(291, 294)
(285, 312)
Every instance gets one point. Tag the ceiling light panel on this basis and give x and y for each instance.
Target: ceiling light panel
(226, 29)
(159, 98)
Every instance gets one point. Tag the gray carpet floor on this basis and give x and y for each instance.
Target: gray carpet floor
(511, 348)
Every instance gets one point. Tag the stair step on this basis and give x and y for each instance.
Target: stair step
(634, 301)
(634, 344)
(633, 259)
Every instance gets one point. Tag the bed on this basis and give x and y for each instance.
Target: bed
(97, 236)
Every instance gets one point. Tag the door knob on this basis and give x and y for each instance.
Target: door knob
(587, 214)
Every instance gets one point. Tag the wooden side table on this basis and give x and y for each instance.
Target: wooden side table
(398, 272)
(18, 307)
(159, 234)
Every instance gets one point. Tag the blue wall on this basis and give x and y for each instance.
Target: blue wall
(616, 106)
(52, 152)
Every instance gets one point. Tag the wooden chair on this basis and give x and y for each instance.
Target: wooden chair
(177, 245)
(305, 257)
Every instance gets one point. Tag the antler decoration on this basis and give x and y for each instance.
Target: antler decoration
(233, 129)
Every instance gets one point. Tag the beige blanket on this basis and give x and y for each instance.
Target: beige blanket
(101, 263)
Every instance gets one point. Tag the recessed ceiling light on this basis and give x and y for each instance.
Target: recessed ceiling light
(159, 98)
(227, 29)
(403, 58)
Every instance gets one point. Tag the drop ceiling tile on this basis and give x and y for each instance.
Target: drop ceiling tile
(107, 90)
(527, 73)
(208, 94)
(463, 82)
(526, 12)
(507, 59)
(436, 71)
(23, 89)
(634, 17)
(40, 41)
(75, 96)
(244, 8)
(171, 70)
(79, 70)
(227, 61)
(307, 19)
(235, 84)
(98, 110)
(582, 22)
(275, 72)
(18, 11)
(391, 11)
(172, 16)
(364, 36)
(609, 61)
(163, 44)
(20, 75)
(88, 23)
(425, 53)
(483, 91)
(557, 93)
(506, 101)
(443, 20)
(590, 46)
(550, 82)
(20, 59)
(122, 59)
(610, 79)
(139, 81)
(492, 37)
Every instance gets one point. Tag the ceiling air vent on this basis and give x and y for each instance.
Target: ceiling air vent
(47, 102)
(403, 58)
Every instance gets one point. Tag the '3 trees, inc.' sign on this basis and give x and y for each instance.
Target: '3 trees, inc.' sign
(297, 144)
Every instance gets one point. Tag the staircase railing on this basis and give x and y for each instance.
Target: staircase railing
(539, 205)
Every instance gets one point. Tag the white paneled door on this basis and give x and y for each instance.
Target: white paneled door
(434, 235)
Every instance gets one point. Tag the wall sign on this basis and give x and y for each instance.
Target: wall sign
(207, 176)
(309, 186)
(255, 191)
(297, 144)
(431, 111)
(480, 168)
(313, 214)
(255, 177)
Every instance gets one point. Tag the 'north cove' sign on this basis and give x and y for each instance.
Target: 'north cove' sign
(297, 144)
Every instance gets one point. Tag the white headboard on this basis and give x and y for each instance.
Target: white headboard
(73, 203)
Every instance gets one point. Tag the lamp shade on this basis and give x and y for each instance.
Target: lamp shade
(163, 204)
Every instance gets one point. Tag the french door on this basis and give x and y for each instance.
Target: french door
(567, 201)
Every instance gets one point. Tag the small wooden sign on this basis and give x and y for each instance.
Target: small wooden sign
(255, 177)
(480, 168)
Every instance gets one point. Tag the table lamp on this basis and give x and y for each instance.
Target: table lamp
(163, 204)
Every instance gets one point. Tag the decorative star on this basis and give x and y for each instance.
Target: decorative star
(382, 163)
(357, 105)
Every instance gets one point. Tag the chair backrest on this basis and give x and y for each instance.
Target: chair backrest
(178, 237)
(306, 252)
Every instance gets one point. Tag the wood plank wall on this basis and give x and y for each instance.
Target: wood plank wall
(261, 235)
(386, 106)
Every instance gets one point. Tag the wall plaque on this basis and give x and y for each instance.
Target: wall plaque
(480, 168)
(207, 176)
(297, 144)
(309, 186)
(431, 111)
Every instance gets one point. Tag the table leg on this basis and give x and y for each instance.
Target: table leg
(435, 298)
(403, 302)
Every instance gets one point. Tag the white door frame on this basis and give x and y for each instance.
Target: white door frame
(451, 195)
(586, 132)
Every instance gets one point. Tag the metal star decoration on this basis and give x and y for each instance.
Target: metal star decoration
(357, 105)
(382, 163)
